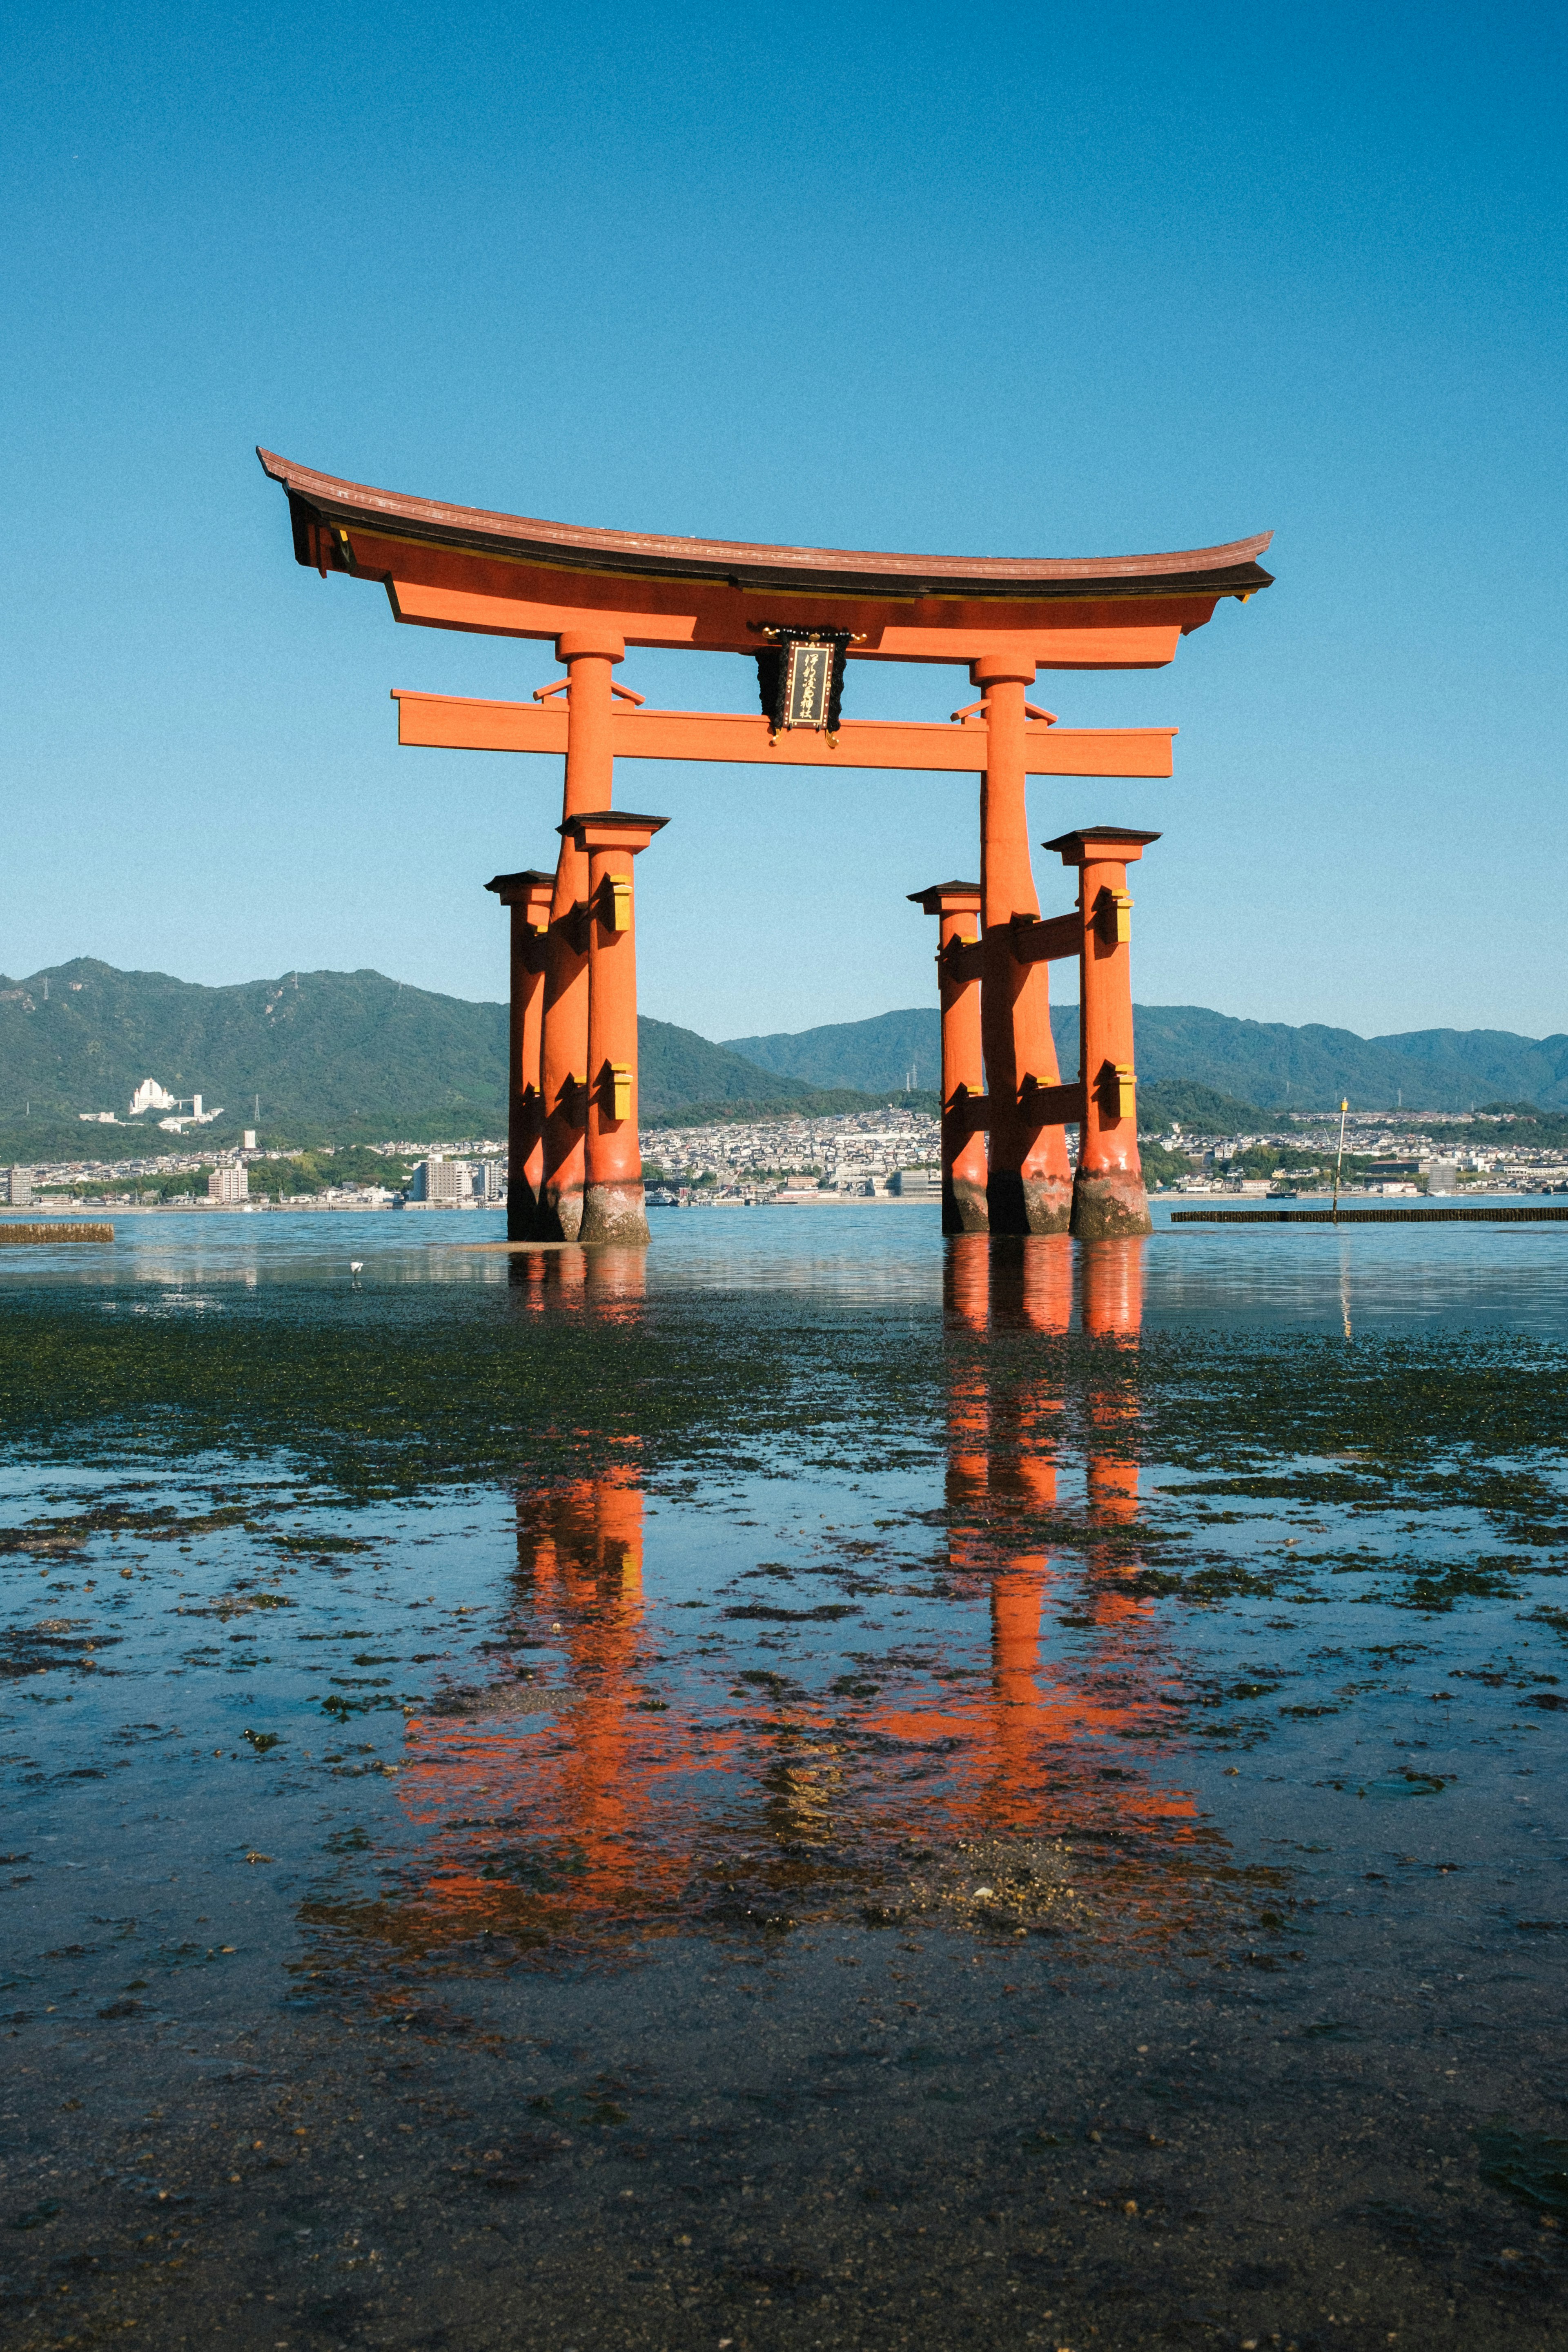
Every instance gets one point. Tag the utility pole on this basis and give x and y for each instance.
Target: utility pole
(1343, 1108)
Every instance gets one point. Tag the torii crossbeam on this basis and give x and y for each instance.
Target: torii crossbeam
(802, 613)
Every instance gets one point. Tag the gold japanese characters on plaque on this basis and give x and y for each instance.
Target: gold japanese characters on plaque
(800, 675)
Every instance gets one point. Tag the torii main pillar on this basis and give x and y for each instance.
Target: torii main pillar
(589, 657)
(1029, 1186)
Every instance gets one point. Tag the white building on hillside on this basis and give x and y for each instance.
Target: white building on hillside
(439, 1179)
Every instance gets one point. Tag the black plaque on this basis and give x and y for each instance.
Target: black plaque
(808, 683)
(801, 679)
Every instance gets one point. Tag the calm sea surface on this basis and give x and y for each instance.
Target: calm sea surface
(815, 1786)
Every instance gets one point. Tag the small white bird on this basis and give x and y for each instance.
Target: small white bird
(356, 1265)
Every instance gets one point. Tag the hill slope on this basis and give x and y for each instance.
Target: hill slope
(356, 1057)
(352, 1055)
(873, 1055)
(1263, 1061)
(316, 1047)
(677, 1068)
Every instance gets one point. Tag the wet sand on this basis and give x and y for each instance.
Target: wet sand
(818, 1792)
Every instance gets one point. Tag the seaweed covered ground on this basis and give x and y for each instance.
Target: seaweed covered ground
(807, 1791)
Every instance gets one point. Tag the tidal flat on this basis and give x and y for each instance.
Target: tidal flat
(816, 1787)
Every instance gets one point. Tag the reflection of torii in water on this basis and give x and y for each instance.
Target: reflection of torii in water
(1007, 1441)
(644, 1791)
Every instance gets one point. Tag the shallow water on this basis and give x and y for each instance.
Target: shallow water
(820, 1787)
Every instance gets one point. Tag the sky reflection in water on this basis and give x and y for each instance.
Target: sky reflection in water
(1021, 1671)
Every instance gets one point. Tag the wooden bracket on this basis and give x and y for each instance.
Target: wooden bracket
(1113, 917)
(1050, 1106)
(1033, 942)
(972, 1111)
(1117, 1091)
(962, 960)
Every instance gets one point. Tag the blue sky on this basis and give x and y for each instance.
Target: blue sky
(978, 281)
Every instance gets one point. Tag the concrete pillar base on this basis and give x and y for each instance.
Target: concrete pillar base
(963, 1207)
(1029, 1204)
(614, 1212)
(1110, 1208)
(1047, 1205)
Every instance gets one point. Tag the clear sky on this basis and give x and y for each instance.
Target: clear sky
(979, 279)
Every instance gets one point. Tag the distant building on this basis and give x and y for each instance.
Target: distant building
(230, 1184)
(438, 1179)
(916, 1183)
(489, 1180)
(19, 1187)
(150, 1096)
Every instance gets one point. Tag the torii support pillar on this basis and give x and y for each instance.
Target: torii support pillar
(589, 654)
(1028, 1184)
(527, 895)
(613, 1205)
(964, 1106)
(1108, 1201)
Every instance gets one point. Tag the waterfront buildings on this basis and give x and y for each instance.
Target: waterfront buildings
(438, 1179)
(442, 1182)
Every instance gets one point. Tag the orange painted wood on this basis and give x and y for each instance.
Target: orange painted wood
(1108, 1141)
(1029, 1181)
(965, 1112)
(463, 723)
(1059, 1105)
(1074, 637)
(528, 896)
(588, 721)
(1049, 942)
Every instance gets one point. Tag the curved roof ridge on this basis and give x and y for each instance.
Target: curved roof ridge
(325, 498)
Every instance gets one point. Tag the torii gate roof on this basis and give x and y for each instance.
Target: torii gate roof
(467, 568)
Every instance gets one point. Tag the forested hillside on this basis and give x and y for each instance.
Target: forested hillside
(353, 1057)
(1263, 1061)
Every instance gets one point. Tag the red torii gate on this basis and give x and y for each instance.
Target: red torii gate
(575, 1172)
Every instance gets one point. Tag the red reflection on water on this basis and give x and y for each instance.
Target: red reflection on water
(659, 1779)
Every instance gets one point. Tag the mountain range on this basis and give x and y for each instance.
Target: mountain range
(312, 1056)
(355, 1056)
(1266, 1063)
